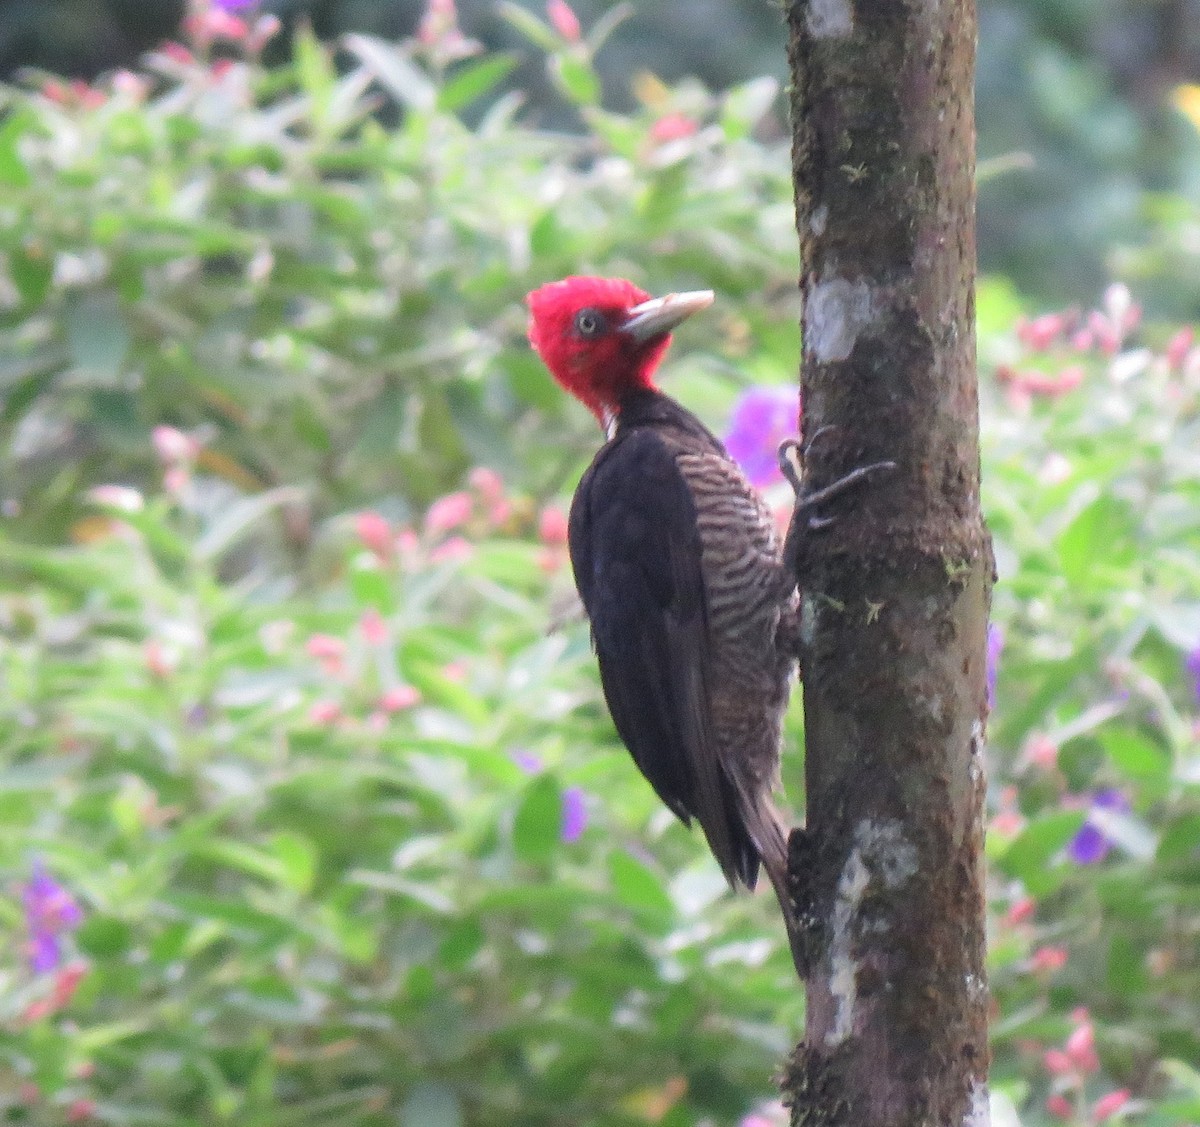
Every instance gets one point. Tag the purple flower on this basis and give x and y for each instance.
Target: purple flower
(762, 418)
(1090, 844)
(1192, 664)
(529, 761)
(50, 910)
(995, 646)
(234, 5)
(574, 814)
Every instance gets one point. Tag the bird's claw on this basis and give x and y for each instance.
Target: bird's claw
(847, 481)
(792, 456)
(791, 462)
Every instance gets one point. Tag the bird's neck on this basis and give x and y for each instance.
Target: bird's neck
(649, 407)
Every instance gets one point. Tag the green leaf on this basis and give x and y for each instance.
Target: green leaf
(297, 858)
(1028, 857)
(13, 127)
(104, 937)
(639, 888)
(32, 269)
(313, 65)
(1099, 541)
(577, 78)
(474, 80)
(538, 822)
(1135, 755)
(1181, 839)
(538, 33)
(404, 81)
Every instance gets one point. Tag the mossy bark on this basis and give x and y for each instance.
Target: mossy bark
(888, 875)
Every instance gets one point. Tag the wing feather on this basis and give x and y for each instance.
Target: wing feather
(636, 551)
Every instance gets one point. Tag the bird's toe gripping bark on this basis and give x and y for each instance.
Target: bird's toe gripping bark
(791, 464)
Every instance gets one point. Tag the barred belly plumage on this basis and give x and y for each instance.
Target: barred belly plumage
(746, 593)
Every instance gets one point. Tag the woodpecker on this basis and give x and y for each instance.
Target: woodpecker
(680, 569)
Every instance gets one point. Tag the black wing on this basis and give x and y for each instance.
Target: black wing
(636, 551)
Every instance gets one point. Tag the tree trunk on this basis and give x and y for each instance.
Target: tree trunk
(888, 875)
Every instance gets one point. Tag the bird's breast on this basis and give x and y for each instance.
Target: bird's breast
(743, 577)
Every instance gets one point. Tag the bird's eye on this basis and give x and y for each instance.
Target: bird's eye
(589, 322)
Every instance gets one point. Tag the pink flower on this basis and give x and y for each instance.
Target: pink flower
(1081, 1050)
(563, 20)
(208, 24)
(672, 127)
(487, 483)
(449, 512)
(454, 550)
(324, 713)
(178, 53)
(81, 1109)
(1041, 332)
(176, 479)
(373, 628)
(1109, 1105)
(135, 87)
(325, 646)
(1029, 382)
(1057, 1062)
(1106, 334)
(173, 445)
(329, 651)
(1008, 823)
(500, 512)
(1060, 1107)
(439, 33)
(1177, 348)
(87, 96)
(552, 526)
(1047, 960)
(374, 533)
(455, 671)
(265, 29)
(1042, 751)
(399, 698)
(1021, 912)
(156, 659)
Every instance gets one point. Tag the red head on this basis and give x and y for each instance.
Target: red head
(603, 337)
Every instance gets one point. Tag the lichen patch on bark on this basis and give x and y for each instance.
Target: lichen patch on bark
(837, 310)
(829, 18)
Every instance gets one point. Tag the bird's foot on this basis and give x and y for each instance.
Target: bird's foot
(792, 456)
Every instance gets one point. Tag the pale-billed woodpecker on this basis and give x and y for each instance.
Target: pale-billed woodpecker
(693, 607)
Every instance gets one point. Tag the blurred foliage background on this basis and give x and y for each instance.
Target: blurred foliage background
(310, 810)
(1074, 97)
